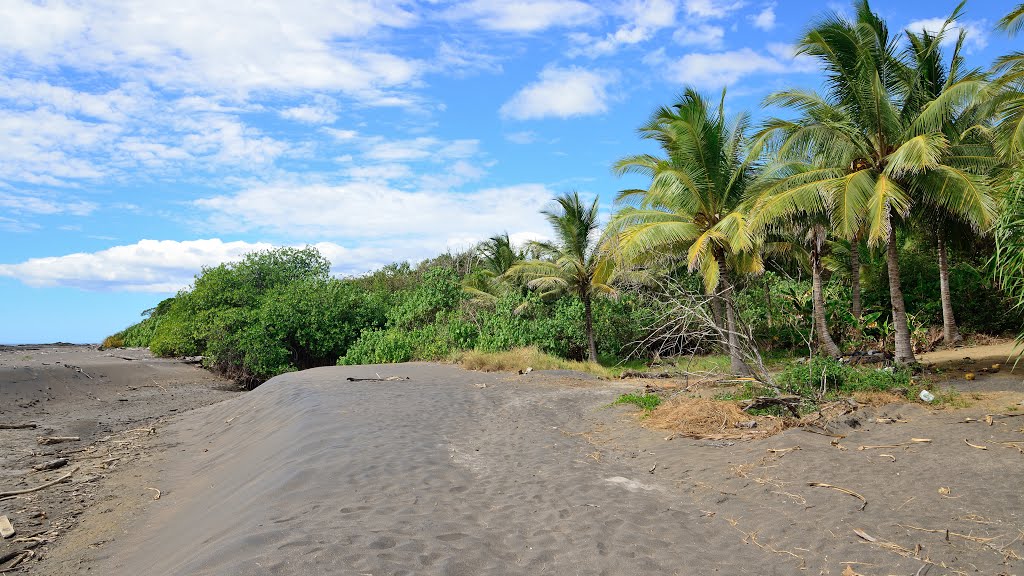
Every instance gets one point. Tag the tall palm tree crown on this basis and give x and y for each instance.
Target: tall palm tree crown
(574, 262)
(872, 145)
(693, 206)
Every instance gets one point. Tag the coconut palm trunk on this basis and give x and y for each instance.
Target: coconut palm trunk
(588, 311)
(825, 342)
(904, 348)
(950, 333)
(736, 363)
(855, 305)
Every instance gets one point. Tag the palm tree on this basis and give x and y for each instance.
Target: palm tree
(1012, 22)
(574, 262)
(864, 150)
(807, 234)
(969, 151)
(496, 255)
(692, 207)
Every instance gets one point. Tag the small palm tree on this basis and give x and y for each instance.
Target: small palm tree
(573, 263)
(692, 209)
(496, 256)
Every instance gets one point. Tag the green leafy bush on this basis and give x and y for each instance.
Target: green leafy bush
(836, 378)
(645, 401)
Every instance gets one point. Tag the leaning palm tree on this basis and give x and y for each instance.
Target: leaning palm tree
(692, 208)
(866, 149)
(573, 263)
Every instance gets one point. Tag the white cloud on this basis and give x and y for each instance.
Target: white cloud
(228, 47)
(525, 16)
(462, 60)
(56, 135)
(704, 35)
(712, 8)
(977, 35)
(227, 140)
(380, 172)
(342, 135)
(310, 114)
(644, 18)
(715, 70)
(523, 137)
(165, 265)
(34, 204)
(765, 19)
(421, 220)
(421, 148)
(561, 93)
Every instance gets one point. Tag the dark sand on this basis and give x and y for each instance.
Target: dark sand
(455, 472)
(97, 396)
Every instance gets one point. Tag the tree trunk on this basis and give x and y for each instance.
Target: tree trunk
(825, 342)
(736, 363)
(904, 347)
(591, 343)
(950, 333)
(717, 313)
(855, 278)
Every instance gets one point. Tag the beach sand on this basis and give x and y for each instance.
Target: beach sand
(458, 473)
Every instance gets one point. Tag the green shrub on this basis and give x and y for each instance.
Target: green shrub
(806, 379)
(645, 401)
(379, 347)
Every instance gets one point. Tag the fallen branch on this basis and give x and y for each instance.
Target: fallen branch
(56, 439)
(843, 490)
(968, 442)
(51, 465)
(948, 533)
(901, 445)
(823, 433)
(19, 557)
(63, 478)
(17, 426)
(791, 403)
(157, 497)
(388, 379)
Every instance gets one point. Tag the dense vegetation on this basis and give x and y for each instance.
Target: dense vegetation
(885, 212)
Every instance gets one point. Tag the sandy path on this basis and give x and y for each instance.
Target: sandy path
(314, 475)
(311, 474)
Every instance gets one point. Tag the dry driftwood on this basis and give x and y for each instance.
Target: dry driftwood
(648, 375)
(63, 478)
(843, 490)
(52, 464)
(56, 439)
(388, 379)
(17, 426)
(791, 403)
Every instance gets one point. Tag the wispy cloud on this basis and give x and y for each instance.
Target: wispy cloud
(562, 93)
(164, 265)
(525, 16)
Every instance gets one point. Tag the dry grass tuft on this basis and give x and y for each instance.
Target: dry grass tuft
(522, 358)
(878, 398)
(707, 418)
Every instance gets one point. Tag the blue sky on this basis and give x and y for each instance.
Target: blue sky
(141, 140)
